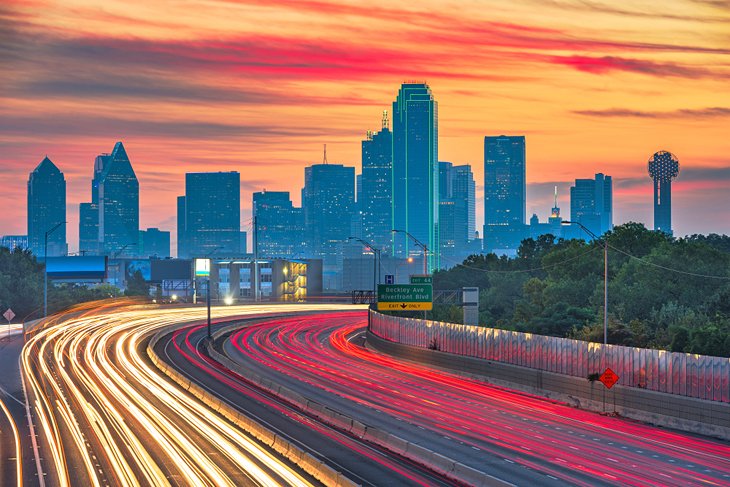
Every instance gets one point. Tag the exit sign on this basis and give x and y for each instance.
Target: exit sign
(421, 279)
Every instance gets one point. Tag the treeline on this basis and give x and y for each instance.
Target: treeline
(660, 292)
(21, 287)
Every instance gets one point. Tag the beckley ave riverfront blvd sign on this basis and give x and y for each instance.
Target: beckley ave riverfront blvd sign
(405, 297)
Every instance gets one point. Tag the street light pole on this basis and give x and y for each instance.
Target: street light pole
(605, 276)
(45, 267)
(376, 259)
(420, 244)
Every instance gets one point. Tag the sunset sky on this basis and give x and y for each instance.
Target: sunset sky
(259, 86)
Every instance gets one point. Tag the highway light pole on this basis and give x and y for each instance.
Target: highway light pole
(420, 244)
(376, 259)
(605, 276)
(45, 267)
(207, 287)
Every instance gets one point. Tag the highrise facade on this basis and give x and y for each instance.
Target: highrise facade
(118, 200)
(415, 172)
(591, 203)
(663, 167)
(504, 192)
(457, 212)
(154, 242)
(279, 229)
(328, 199)
(46, 209)
(212, 214)
(88, 228)
(375, 198)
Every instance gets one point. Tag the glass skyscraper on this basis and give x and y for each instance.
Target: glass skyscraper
(46, 209)
(457, 212)
(212, 214)
(415, 171)
(504, 192)
(280, 229)
(328, 199)
(377, 188)
(591, 204)
(118, 196)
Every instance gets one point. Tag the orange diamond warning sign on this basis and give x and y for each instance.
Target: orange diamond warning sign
(609, 378)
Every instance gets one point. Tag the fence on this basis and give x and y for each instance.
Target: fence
(685, 374)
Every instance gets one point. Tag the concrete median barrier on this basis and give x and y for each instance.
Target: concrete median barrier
(314, 467)
(432, 460)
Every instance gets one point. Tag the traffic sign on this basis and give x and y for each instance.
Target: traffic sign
(609, 378)
(405, 297)
(404, 306)
(421, 279)
(9, 315)
(389, 279)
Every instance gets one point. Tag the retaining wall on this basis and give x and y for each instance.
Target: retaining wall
(688, 414)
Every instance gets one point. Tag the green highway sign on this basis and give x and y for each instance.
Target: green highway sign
(405, 297)
(421, 279)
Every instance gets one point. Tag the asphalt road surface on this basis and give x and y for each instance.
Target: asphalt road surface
(516, 437)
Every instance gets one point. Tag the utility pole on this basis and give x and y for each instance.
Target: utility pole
(605, 275)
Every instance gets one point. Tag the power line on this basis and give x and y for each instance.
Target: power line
(678, 271)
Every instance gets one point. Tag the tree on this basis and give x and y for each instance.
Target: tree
(137, 286)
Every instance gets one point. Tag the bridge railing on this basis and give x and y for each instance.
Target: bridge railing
(698, 376)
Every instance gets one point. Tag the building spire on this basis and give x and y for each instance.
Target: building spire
(325, 155)
(555, 204)
(386, 122)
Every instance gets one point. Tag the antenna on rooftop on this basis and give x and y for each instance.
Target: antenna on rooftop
(325, 155)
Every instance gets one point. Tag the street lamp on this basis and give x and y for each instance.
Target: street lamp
(420, 244)
(45, 267)
(605, 276)
(376, 259)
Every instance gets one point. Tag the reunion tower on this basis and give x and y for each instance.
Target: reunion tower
(663, 167)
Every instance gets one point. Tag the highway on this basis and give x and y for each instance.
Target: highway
(106, 416)
(364, 463)
(516, 437)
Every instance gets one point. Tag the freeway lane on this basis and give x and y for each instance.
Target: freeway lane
(108, 417)
(359, 461)
(514, 436)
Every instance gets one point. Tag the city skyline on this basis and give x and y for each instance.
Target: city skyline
(651, 78)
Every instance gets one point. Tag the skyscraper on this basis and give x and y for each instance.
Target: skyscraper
(328, 199)
(377, 187)
(591, 203)
(279, 227)
(88, 228)
(457, 212)
(212, 214)
(504, 192)
(118, 193)
(46, 209)
(415, 171)
(663, 167)
(154, 242)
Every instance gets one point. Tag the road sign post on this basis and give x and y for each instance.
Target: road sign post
(405, 297)
(9, 315)
(609, 379)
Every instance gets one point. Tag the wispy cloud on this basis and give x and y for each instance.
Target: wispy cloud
(698, 113)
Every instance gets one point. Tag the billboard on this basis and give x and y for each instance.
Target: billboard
(77, 267)
(202, 268)
(139, 265)
(171, 269)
